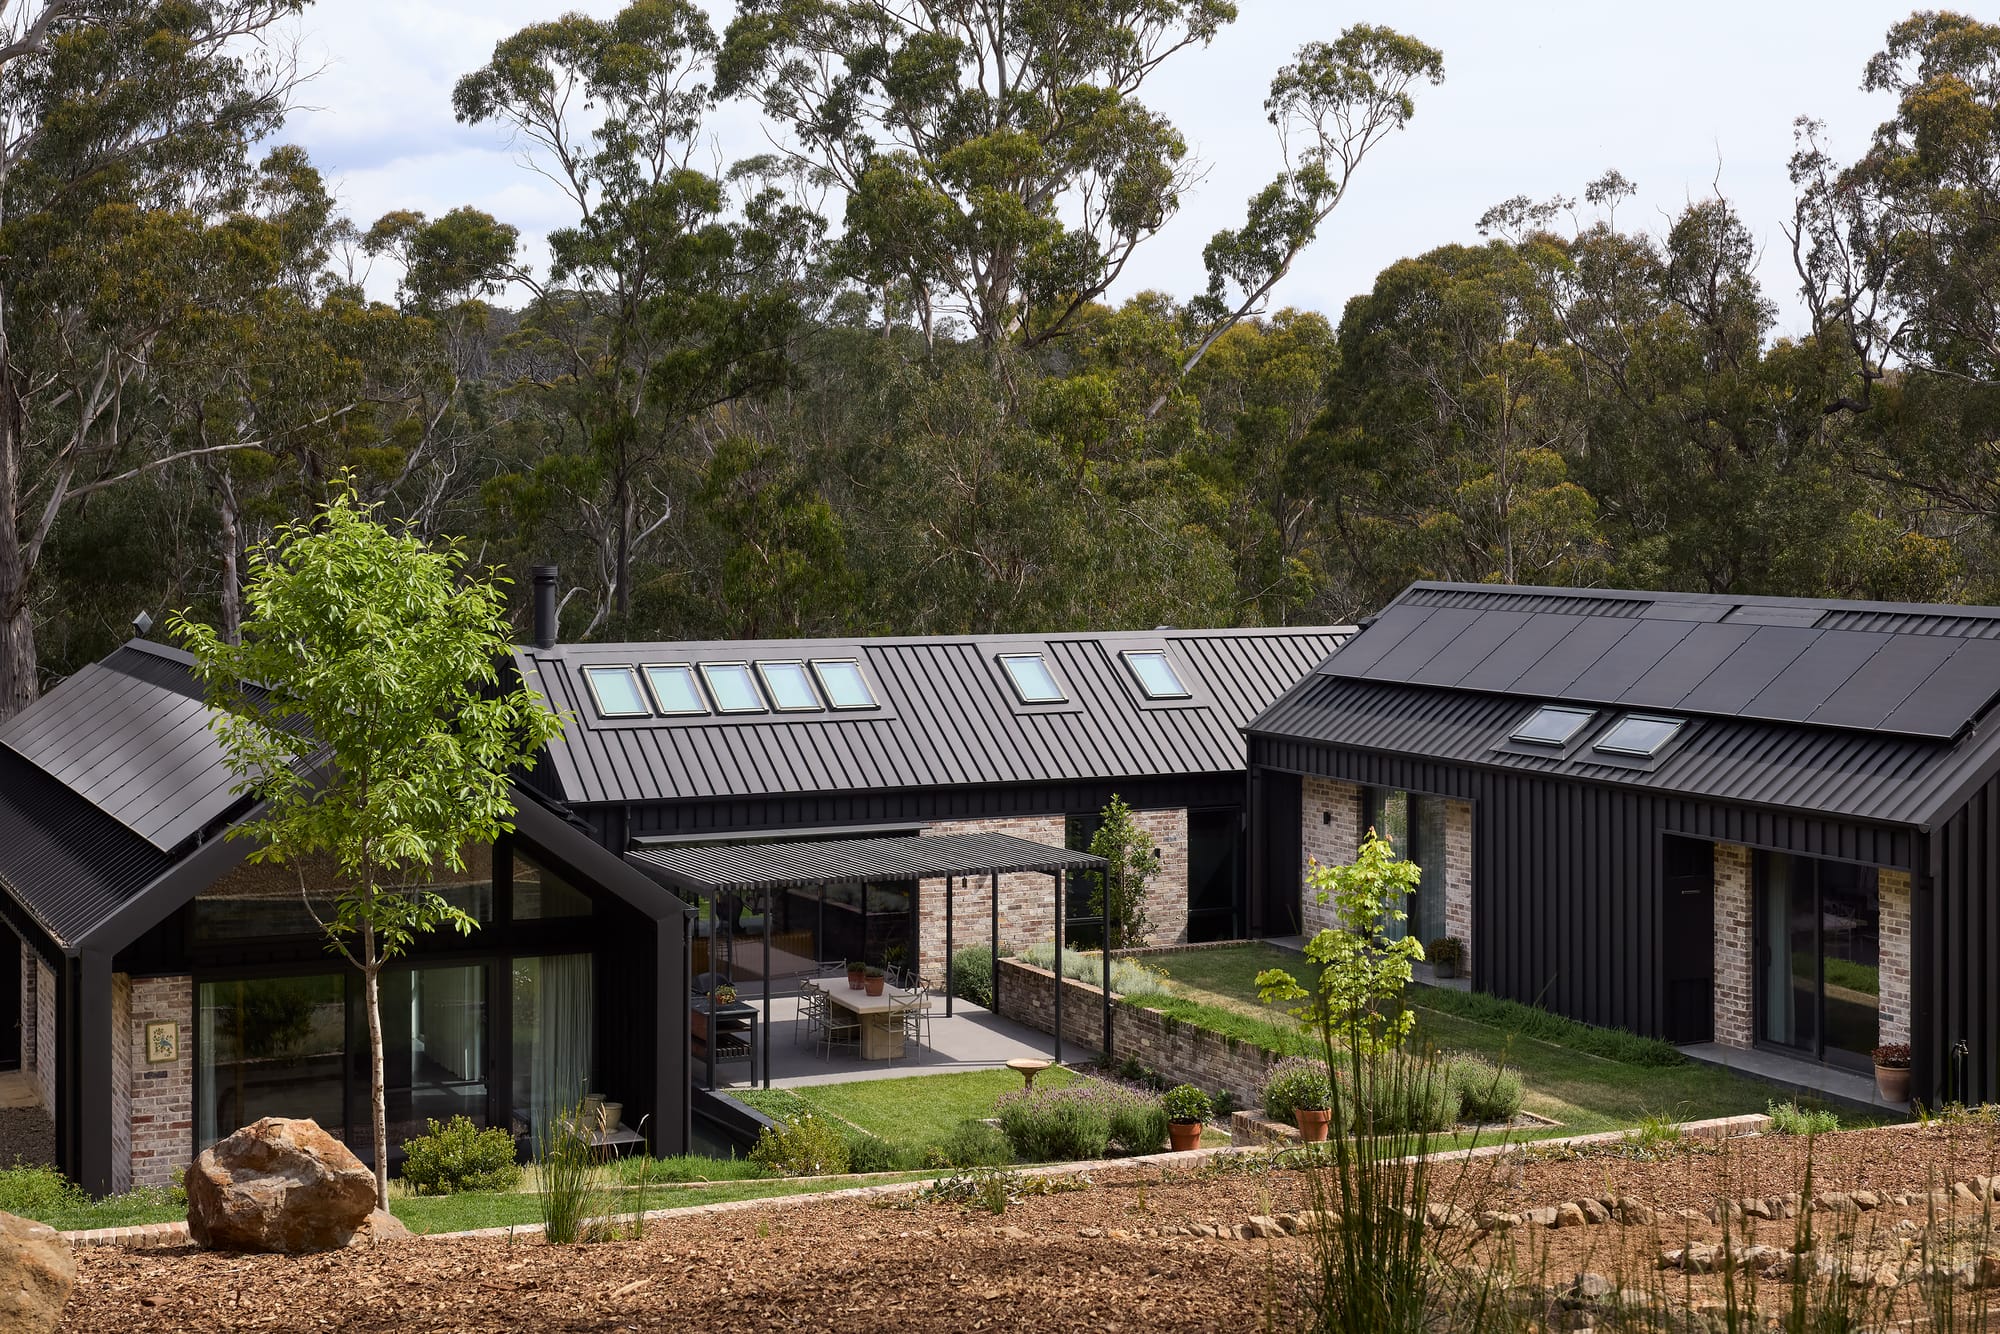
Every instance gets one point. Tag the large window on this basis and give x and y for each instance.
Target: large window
(1818, 942)
(554, 1039)
(1215, 875)
(1414, 827)
(434, 1049)
(270, 1046)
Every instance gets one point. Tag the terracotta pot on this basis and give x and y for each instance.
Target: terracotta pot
(854, 980)
(1312, 1123)
(1184, 1134)
(875, 985)
(1893, 1083)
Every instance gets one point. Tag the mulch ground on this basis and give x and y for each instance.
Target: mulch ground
(1073, 1260)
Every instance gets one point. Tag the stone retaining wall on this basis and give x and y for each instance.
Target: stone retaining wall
(1179, 1051)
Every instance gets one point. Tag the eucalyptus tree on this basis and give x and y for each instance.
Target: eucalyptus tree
(998, 165)
(125, 132)
(665, 298)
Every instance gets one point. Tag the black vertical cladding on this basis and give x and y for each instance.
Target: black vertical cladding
(1955, 941)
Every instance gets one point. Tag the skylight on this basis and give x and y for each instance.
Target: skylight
(1033, 682)
(1156, 675)
(1552, 725)
(674, 689)
(1638, 734)
(791, 688)
(844, 684)
(735, 690)
(617, 693)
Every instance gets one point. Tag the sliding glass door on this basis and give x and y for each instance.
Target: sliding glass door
(1818, 941)
(1414, 826)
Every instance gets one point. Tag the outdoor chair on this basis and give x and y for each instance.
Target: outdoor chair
(704, 983)
(812, 1014)
(837, 1030)
(913, 1017)
(833, 968)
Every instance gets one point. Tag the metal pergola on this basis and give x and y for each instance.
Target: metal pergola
(763, 869)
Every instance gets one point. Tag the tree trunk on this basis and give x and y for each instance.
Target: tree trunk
(17, 626)
(232, 554)
(378, 1109)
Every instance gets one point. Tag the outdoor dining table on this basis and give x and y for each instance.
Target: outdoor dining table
(881, 1034)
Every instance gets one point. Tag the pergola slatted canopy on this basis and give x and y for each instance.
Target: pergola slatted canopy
(749, 868)
(767, 868)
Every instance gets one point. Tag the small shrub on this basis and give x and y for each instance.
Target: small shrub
(459, 1156)
(1788, 1118)
(1128, 979)
(1893, 1056)
(1446, 950)
(1403, 1095)
(1655, 1131)
(807, 1146)
(870, 1153)
(1054, 1125)
(1296, 1082)
(1185, 1103)
(37, 1192)
(1140, 1125)
(972, 975)
(1486, 1093)
(970, 1144)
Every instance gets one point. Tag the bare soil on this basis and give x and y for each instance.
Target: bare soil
(1109, 1257)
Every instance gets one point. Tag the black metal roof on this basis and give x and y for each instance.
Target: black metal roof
(1871, 711)
(1875, 667)
(948, 717)
(747, 868)
(130, 736)
(64, 861)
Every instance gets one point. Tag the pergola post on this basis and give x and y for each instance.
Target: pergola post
(764, 1038)
(996, 942)
(1107, 975)
(947, 946)
(1058, 965)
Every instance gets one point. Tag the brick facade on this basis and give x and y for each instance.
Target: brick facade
(38, 1026)
(1894, 958)
(122, 1056)
(1181, 1052)
(159, 1133)
(1027, 901)
(1735, 936)
(1329, 834)
(1457, 843)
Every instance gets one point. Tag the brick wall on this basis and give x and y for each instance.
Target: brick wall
(122, 1056)
(1166, 895)
(161, 1095)
(1894, 888)
(28, 980)
(1735, 934)
(1330, 834)
(1181, 1052)
(1458, 874)
(42, 1006)
(1027, 901)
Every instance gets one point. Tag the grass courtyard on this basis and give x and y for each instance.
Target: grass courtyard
(1586, 1079)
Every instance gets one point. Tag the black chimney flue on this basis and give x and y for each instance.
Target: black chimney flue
(544, 579)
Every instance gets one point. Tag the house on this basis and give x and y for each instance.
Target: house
(1758, 822)
(169, 990)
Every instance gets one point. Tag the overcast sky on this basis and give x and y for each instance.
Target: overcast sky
(1537, 100)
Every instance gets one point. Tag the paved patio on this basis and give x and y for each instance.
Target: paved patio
(1797, 1076)
(972, 1039)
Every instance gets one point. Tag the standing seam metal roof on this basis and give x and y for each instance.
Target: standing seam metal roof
(948, 716)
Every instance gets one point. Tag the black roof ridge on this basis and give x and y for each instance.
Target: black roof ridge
(1979, 610)
(940, 641)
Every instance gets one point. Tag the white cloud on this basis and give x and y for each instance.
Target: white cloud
(1537, 101)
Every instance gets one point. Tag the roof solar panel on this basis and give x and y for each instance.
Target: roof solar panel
(1809, 679)
(1754, 665)
(1953, 695)
(1424, 642)
(1685, 666)
(1469, 649)
(1880, 686)
(1576, 653)
(1384, 634)
(1629, 659)
(1519, 651)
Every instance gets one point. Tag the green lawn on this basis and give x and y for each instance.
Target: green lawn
(462, 1213)
(1582, 1091)
(914, 1110)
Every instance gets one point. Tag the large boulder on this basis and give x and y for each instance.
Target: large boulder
(36, 1274)
(280, 1185)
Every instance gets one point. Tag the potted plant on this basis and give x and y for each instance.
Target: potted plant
(1446, 954)
(1892, 1071)
(1187, 1107)
(854, 974)
(873, 977)
(1312, 1105)
(725, 994)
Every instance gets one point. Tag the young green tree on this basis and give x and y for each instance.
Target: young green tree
(381, 738)
(1362, 969)
(1118, 894)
